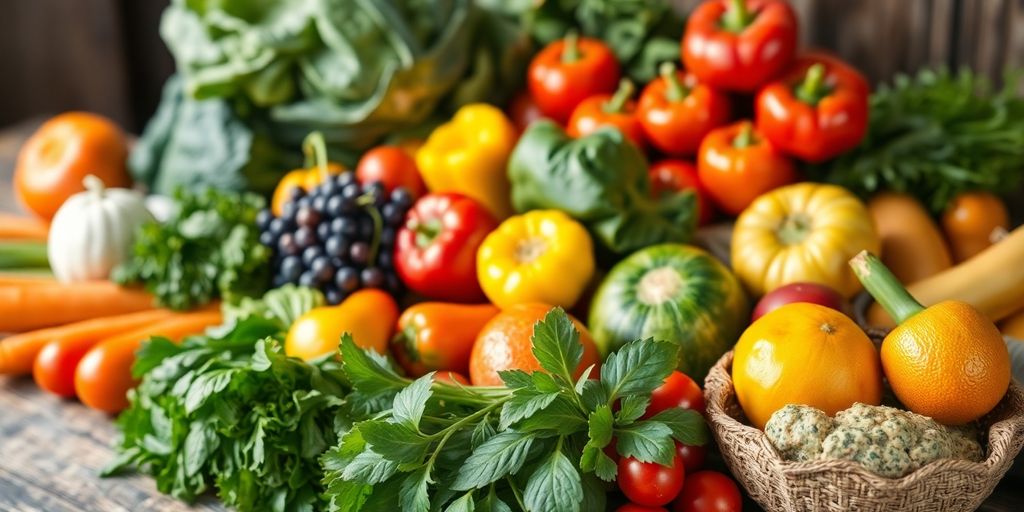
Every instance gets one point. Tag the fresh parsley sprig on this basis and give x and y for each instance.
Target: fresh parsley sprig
(536, 444)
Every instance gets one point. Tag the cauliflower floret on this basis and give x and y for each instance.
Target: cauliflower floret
(797, 431)
(886, 441)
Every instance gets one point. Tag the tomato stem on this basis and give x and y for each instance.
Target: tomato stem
(618, 102)
(884, 287)
(315, 149)
(571, 50)
(812, 88)
(675, 91)
(426, 231)
(737, 17)
(745, 138)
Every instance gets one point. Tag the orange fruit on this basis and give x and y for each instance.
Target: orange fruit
(970, 221)
(505, 344)
(948, 362)
(806, 354)
(369, 315)
(63, 151)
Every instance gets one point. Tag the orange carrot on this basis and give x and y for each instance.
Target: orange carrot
(104, 375)
(14, 227)
(11, 279)
(18, 352)
(34, 306)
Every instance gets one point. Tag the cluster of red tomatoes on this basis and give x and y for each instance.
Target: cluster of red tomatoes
(737, 54)
(649, 486)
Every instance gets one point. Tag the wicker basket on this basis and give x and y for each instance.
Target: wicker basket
(837, 485)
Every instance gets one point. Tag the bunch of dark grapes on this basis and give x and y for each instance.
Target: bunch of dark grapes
(338, 237)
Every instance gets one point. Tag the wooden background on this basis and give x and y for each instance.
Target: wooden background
(106, 55)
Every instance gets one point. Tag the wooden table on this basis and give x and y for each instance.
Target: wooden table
(52, 450)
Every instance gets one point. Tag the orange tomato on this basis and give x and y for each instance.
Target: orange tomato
(505, 343)
(970, 221)
(803, 353)
(63, 151)
(369, 315)
(306, 179)
(452, 378)
(439, 336)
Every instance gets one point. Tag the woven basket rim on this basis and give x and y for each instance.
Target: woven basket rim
(995, 458)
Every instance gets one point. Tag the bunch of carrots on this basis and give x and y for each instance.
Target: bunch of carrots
(80, 339)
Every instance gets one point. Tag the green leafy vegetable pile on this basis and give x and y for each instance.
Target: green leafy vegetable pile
(257, 77)
(536, 445)
(208, 249)
(233, 413)
(936, 135)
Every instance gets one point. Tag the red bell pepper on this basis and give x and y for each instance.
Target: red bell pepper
(817, 110)
(568, 71)
(737, 165)
(675, 175)
(616, 110)
(676, 111)
(435, 251)
(739, 44)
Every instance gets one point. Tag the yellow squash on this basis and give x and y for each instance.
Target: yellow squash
(806, 354)
(802, 233)
(912, 245)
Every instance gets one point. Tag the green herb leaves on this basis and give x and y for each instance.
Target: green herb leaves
(209, 249)
(537, 444)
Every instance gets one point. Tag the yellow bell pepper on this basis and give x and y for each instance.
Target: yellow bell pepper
(469, 154)
(316, 171)
(802, 233)
(539, 256)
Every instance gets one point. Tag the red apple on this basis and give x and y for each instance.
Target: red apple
(800, 292)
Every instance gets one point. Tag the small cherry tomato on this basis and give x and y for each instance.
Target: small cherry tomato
(675, 175)
(633, 507)
(679, 390)
(616, 110)
(649, 483)
(523, 111)
(392, 166)
(693, 456)
(709, 491)
(453, 378)
(570, 70)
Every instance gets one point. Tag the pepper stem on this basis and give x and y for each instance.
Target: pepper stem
(812, 88)
(571, 49)
(884, 287)
(618, 102)
(737, 17)
(674, 89)
(315, 149)
(427, 231)
(746, 137)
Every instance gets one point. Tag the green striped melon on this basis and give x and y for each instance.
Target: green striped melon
(671, 292)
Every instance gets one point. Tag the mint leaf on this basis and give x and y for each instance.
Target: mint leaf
(594, 494)
(492, 503)
(688, 426)
(600, 429)
(647, 441)
(463, 504)
(370, 374)
(524, 403)
(560, 417)
(555, 486)
(413, 494)
(631, 408)
(582, 381)
(639, 367)
(516, 379)
(411, 401)
(348, 496)
(481, 433)
(369, 467)
(398, 442)
(594, 394)
(604, 467)
(556, 344)
(545, 383)
(501, 455)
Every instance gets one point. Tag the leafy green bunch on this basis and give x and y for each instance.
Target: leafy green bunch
(537, 444)
(232, 412)
(208, 249)
(935, 135)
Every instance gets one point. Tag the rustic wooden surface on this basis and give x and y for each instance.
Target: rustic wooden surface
(51, 450)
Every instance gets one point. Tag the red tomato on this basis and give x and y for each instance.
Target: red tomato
(677, 391)
(693, 456)
(523, 111)
(675, 175)
(601, 110)
(392, 166)
(568, 71)
(709, 491)
(54, 369)
(649, 483)
(633, 507)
